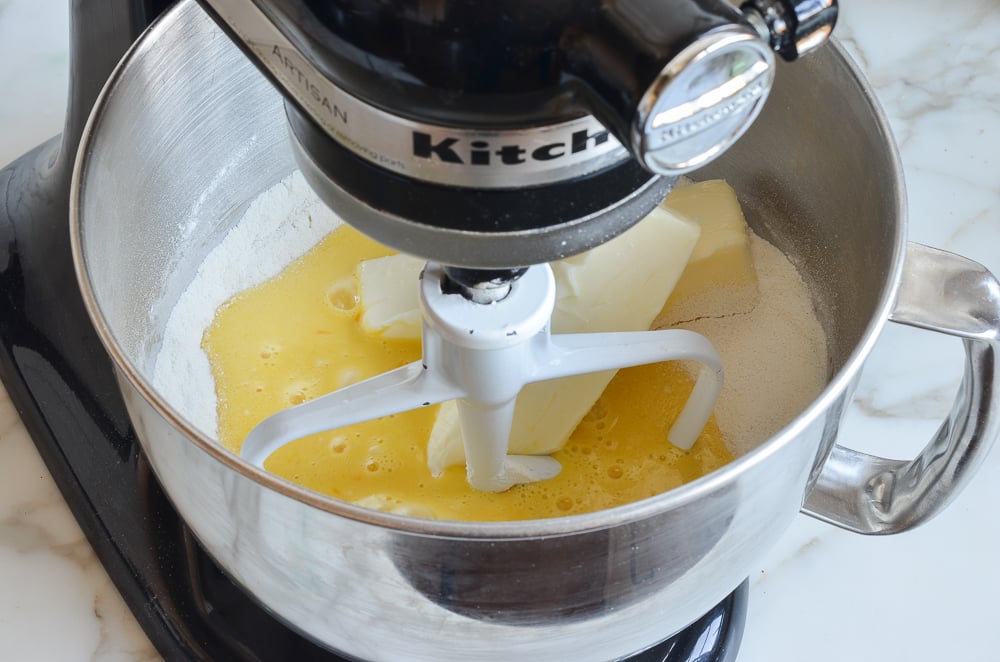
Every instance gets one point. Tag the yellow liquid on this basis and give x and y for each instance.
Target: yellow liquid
(297, 337)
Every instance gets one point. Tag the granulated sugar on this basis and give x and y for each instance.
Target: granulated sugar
(278, 227)
(774, 356)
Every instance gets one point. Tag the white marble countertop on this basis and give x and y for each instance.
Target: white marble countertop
(822, 594)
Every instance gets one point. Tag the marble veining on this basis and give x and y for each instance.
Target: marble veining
(56, 602)
(821, 594)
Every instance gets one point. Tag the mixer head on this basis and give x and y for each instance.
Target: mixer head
(503, 134)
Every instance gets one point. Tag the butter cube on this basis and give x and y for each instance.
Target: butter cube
(388, 294)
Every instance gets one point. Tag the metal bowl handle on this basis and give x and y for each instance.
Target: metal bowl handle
(950, 294)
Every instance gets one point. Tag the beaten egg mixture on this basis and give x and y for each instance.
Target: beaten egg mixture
(298, 336)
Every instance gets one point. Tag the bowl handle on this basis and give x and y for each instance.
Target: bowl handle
(950, 294)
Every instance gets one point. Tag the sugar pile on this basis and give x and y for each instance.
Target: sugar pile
(774, 356)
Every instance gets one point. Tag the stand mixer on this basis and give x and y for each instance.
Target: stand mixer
(35, 362)
(490, 139)
(625, 193)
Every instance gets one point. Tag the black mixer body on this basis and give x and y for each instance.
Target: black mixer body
(499, 135)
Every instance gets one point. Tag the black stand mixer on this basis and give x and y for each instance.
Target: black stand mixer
(506, 115)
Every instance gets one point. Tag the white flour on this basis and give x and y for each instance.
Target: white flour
(279, 226)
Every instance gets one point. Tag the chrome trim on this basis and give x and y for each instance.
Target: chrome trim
(703, 100)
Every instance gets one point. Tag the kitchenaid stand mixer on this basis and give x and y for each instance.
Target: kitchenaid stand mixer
(48, 164)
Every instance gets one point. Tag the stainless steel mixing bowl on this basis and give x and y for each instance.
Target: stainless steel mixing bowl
(187, 132)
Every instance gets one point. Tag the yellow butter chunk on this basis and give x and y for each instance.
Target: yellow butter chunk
(619, 286)
(387, 289)
(720, 278)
